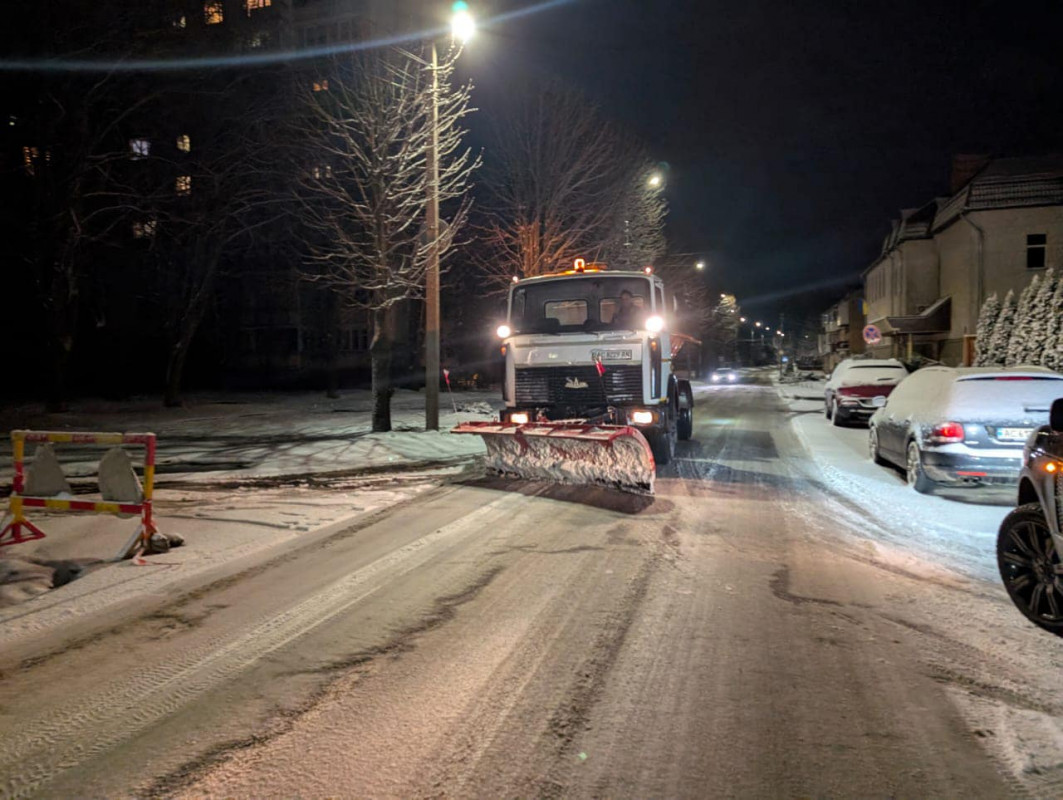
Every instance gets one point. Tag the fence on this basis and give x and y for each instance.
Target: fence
(12, 533)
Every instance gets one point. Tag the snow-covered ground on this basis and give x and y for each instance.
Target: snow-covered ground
(240, 475)
(953, 529)
(230, 437)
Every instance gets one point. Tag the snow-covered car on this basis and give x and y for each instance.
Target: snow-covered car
(724, 375)
(962, 426)
(859, 386)
(1030, 542)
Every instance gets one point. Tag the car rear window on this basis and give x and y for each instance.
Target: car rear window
(1004, 397)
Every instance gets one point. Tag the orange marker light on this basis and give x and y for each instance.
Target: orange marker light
(1051, 467)
(580, 264)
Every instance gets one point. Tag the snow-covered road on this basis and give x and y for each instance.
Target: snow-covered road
(781, 619)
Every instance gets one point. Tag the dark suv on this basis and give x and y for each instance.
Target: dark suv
(1030, 542)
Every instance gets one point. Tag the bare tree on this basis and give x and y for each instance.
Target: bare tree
(363, 186)
(636, 237)
(555, 184)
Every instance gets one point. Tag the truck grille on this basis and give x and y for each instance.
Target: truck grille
(578, 386)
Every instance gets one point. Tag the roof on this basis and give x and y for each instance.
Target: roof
(1007, 183)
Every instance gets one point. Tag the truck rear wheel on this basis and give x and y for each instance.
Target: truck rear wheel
(685, 421)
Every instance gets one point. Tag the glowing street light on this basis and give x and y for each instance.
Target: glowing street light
(700, 265)
(655, 180)
(741, 319)
(757, 324)
(462, 24)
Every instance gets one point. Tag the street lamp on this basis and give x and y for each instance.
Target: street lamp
(655, 180)
(757, 324)
(462, 27)
(700, 265)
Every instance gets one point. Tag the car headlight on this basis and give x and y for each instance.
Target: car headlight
(715, 378)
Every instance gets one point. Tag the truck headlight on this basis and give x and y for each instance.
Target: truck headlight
(642, 417)
(519, 418)
(503, 331)
(655, 324)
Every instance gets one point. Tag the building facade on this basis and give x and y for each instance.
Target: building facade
(941, 261)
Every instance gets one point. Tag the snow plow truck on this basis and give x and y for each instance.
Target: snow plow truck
(589, 389)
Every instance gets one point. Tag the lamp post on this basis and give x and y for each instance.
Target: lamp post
(462, 27)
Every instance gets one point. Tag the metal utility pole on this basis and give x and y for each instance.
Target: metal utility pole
(431, 292)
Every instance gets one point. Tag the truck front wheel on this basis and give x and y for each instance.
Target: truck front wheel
(662, 443)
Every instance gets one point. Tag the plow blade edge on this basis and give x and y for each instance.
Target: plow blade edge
(616, 456)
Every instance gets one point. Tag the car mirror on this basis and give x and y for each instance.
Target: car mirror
(1055, 418)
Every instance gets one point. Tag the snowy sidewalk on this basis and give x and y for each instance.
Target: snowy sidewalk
(233, 437)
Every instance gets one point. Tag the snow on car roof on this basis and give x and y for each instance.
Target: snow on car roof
(1018, 394)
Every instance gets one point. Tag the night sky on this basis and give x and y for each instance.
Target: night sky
(795, 131)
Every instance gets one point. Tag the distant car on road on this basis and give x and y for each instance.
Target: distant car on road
(962, 426)
(859, 386)
(1030, 542)
(724, 375)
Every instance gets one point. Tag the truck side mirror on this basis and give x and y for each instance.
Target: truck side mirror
(1055, 418)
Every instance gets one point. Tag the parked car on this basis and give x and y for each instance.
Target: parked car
(962, 426)
(1030, 542)
(724, 375)
(859, 386)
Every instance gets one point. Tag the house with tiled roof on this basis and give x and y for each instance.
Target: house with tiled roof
(1002, 224)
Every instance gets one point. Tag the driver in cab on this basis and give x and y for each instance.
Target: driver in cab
(627, 315)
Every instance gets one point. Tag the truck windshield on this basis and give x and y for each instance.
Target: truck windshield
(592, 303)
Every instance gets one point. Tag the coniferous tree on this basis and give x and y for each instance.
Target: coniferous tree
(1052, 357)
(1040, 317)
(998, 344)
(1021, 328)
(987, 321)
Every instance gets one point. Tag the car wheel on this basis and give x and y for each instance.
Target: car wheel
(1031, 568)
(917, 479)
(872, 447)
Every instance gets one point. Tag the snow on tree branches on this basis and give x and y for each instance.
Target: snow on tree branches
(987, 322)
(998, 343)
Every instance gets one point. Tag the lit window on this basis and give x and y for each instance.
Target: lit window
(139, 148)
(214, 12)
(29, 159)
(183, 184)
(184, 143)
(321, 85)
(180, 21)
(253, 5)
(323, 172)
(1036, 247)
(145, 229)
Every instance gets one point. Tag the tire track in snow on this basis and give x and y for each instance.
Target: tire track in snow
(65, 738)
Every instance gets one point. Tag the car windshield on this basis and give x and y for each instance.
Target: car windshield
(592, 303)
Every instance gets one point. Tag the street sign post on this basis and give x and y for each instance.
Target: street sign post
(872, 335)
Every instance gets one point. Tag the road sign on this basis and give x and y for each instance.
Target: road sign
(872, 335)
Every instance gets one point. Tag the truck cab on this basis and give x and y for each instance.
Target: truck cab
(594, 345)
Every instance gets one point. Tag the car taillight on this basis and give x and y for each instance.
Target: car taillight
(947, 432)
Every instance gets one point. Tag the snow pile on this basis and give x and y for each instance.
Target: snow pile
(873, 376)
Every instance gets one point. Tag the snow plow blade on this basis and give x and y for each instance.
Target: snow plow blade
(616, 456)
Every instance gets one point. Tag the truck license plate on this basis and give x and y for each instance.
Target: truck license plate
(611, 355)
(1014, 434)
